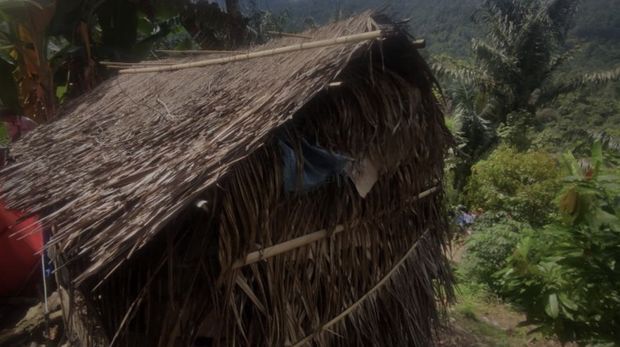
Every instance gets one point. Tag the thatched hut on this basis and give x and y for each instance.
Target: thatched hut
(290, 199)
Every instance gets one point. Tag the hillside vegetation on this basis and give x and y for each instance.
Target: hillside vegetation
(447, 24)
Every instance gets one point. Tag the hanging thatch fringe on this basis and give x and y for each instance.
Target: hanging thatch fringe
(290, 245)
(371, 292)
(258, 54)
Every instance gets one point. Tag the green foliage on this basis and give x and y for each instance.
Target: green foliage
(566, 277)
(8, 88)
(492, 242)
(261, 22)
(517, 69)
(515, 132)
(576, 117)
(474, 134)
(5, 138)
(518, 55)
(522, 184)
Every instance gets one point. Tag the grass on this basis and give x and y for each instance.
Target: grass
(480, 319)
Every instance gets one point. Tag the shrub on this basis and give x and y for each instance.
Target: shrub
(488, 249)
(567, 277)
(522, 184)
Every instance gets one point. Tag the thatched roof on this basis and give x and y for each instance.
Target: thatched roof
(118, 179)
(125, 159)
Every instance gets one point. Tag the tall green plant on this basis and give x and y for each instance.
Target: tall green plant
(521, 184)
(494, 239)
(567, 277)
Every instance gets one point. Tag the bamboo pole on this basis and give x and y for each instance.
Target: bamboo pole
(194, 51)
(301, 241)
(280, 33)
(142, 63)
(258, 54)
(123, 65)
(361, 300)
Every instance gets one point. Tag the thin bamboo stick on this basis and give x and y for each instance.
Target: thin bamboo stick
(258, 54)
(280, 33)
(194, 51)
(121, 67)
(144, 63)
(301, 241)
(361, 300)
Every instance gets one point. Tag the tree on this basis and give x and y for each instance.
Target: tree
(515, 70)
(236, 21)
(25, 35)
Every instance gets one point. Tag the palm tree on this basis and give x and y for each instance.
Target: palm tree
(517, 61)
(515, 69)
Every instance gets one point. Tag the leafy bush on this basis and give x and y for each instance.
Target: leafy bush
(567, 277)
(522, 184)
(488, 249)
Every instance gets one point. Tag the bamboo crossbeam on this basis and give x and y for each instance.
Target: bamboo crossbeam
(280, 33)
(133, 64)
(301, 241)
(364, 297)
(265, 53)
(194, 51)
(122, 67)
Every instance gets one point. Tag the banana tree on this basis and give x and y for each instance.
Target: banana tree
(25, 52)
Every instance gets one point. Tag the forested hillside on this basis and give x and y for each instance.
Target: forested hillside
(447, 25)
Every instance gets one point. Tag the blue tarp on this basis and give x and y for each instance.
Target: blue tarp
(319, 165)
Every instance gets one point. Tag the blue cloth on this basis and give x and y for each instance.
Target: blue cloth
(465, 219)
(48, 264)
(319, 165)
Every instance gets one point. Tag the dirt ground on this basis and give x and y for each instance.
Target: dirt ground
(481, 321)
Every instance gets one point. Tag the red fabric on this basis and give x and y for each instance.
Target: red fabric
(18, 126)
(20, 263)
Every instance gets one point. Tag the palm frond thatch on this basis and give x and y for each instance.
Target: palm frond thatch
(118, 179)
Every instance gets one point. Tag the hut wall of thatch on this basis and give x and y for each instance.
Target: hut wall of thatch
(379, 280)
